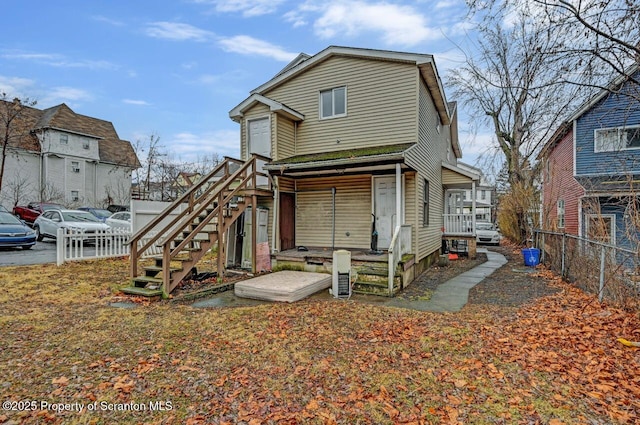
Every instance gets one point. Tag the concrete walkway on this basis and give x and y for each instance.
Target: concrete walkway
(452, 295)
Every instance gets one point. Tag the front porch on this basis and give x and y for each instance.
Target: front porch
(369, 270)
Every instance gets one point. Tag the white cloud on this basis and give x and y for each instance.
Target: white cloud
(135, 102)
(248, 8)
(57, 95)
(395, 24)
(59, 61)
(177, 31)
(190, 147)
(16, 87)
(247, 45)
(109, 21)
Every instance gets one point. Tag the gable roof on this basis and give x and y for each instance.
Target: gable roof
(613, 85)
(424, 62)
(62, 118)
(566, 126)
(274, 106)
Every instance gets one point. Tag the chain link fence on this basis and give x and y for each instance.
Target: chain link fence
(611, 272)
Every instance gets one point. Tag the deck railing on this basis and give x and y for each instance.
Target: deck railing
(458, 224)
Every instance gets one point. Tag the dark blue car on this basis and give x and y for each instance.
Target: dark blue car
(14, 233)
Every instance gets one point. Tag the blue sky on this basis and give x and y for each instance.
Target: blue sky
(176, 68)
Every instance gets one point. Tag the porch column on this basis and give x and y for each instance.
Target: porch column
(473, 205)
(399, 217)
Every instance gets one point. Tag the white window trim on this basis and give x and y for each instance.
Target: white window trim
(332, 103)
(618, 142)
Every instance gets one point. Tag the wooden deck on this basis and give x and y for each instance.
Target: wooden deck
(327, 254)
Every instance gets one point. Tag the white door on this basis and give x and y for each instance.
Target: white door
(260, 143)
(385, 209)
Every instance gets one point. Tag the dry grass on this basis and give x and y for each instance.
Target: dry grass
(309, 362)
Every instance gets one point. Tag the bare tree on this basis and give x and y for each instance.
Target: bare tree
(12, 126)
(511, 85)
(17, 187)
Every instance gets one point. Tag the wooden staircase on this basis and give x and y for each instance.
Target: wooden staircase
(192, 225)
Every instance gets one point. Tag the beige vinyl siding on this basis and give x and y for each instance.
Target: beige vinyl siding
(381, 104)
(286, 184)
(285, 138)
(451, 178)
(314, 212)
(256, 112)
(426, 157)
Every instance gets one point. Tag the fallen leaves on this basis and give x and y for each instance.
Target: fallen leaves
(554, 361)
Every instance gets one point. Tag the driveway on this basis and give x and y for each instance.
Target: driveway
(43, 252)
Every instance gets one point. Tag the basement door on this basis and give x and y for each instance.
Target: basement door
(385, 209)
(260, 143)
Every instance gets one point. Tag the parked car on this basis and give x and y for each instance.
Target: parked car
(487, 233)
(14, 233)
(118, 208)
(47, 224)
(120, 220)
(100, 213)
(31, 211)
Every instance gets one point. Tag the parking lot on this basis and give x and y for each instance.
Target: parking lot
(42, 253)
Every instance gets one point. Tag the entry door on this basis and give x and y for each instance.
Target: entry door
(287, 221)
(260, 143)
(385, 209)
(455, 202)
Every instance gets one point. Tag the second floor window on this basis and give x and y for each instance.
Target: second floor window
(75, 166)
(483, 194)
(64, 139)
(333, 103)
(616, 139)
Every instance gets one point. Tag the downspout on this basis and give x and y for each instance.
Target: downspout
(276, 212)
(333, 219)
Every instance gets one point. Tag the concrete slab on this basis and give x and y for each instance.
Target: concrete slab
(283, 286)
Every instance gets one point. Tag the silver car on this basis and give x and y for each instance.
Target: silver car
(48, 223)
(120, 220)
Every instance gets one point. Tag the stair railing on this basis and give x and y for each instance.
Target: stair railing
(191, 197)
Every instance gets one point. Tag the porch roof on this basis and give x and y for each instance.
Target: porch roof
(456, 177)
(371, 158)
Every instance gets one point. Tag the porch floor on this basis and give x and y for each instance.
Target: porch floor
(327, 254)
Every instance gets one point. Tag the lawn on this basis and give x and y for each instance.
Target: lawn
(69, 357)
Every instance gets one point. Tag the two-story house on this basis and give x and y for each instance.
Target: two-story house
(351, 149)
(61, 156)
(485, 196)
(360, 142)
(591, 167)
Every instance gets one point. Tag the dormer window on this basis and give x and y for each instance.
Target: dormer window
(333, 103)
(64, 139)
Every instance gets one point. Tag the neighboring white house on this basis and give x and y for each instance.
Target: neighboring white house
(60, 156)
(485, 196)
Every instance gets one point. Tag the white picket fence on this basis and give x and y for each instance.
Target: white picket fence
(76, 245)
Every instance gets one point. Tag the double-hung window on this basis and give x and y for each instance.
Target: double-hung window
(333, 103)
(616, 139)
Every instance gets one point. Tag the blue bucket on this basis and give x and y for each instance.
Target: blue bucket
(531, 256)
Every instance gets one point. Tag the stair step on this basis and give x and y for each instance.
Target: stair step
(134, 290)
(157, 268)
(147, 279)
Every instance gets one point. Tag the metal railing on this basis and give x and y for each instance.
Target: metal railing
(400, 245)
(611, 272)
